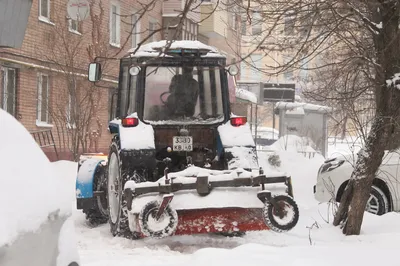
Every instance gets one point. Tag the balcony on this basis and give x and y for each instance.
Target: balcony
(173, 9)
(214, 25)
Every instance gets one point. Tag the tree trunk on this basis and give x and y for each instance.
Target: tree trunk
(385, 124)
(356, 194)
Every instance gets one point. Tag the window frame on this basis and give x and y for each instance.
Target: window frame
(39, 82)
(48, 17)
(4, 90)
(243, 26)
(78, 29)
(153, 22)
(117, 14)
(256, 28)
(135, 29)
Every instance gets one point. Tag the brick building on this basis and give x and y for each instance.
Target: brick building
(44, 83)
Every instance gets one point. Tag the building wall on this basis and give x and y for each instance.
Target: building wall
(48, 46)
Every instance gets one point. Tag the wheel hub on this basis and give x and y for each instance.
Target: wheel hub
(372, 204)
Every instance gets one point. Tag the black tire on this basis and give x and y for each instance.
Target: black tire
(150, 209)
(98, 213)
(120, 226)
(269, 211)
(378, 202)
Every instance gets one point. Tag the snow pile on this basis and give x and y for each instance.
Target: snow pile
(294, 143)
(395, 81)
(302, 170)
(243, 157)
(246, 95)
(188, 121)
(29, 187)
(140, 137)
(154, 48)
(266, 132)
(304, 106)
(347, 146)
(235, 136)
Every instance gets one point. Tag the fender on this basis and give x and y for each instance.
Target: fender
(84, 180)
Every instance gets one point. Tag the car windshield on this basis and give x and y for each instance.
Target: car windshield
(183, 95)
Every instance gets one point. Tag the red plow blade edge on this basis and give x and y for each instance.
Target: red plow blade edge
(219, 220)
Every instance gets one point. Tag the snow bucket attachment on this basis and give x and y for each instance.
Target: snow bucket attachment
(201, 204)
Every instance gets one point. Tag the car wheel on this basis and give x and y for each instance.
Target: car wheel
(378, 202)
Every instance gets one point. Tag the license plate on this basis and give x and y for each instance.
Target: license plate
(182, 143)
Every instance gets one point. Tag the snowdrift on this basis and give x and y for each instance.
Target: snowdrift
(30, 189)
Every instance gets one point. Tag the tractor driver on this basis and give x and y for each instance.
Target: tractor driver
(184, 93)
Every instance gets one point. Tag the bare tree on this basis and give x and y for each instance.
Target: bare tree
(75, 108)
(359, 40)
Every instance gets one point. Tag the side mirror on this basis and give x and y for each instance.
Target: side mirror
(94, 73)
(233, 70)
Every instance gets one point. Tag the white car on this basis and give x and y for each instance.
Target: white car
(36, 224)
(335, 173)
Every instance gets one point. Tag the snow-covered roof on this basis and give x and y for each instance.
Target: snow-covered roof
(246, 95)
(153, 49)
(296, 107)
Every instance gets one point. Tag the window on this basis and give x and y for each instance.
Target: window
(127, 97)
(135, 30)
(115, 25)
(303, 69)
(74, 26)
(175, 94)
(189, 31)
(44, 9)
(288, 74)
(152, 30)
(256, 27)
(244, 21)
(289, 25)
(256, 65)
(43, 99)
(234, 20)
(8, 89)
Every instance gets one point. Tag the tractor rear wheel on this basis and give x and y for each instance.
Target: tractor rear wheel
(98, 213)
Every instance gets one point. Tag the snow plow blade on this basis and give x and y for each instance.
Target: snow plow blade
(202, 221)
(160, 216)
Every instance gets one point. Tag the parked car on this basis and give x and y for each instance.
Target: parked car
(335, 173)
(36, 225)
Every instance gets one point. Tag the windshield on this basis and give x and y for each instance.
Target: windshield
(127, 98)
(183, 95)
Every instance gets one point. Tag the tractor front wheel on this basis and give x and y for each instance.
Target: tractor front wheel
(98, 213)
(282, 214)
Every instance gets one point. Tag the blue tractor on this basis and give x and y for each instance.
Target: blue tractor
(178, 157)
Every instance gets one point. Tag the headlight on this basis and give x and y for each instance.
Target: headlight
(330, 165)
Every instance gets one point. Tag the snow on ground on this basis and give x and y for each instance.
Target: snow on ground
(313, 242)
